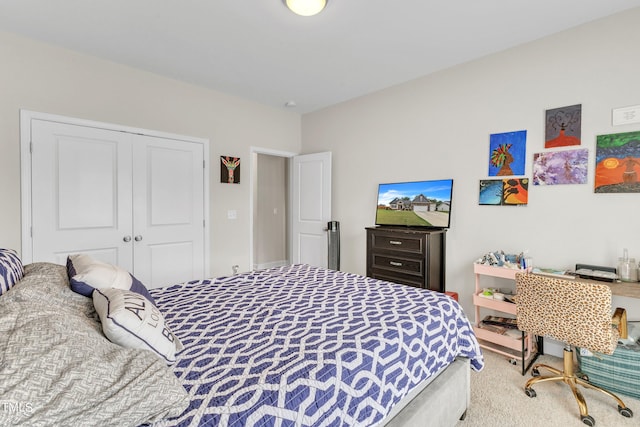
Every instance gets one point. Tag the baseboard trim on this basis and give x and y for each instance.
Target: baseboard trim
(271, 264)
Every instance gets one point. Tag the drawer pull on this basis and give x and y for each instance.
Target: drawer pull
(394, 242)
(395, 264)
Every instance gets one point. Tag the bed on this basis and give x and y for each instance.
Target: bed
(289, 346)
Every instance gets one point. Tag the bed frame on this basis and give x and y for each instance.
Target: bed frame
(438, 402)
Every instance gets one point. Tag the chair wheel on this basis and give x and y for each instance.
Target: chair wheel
(535, 372)
(530, 392)
(625, 412)
(583, 376)
(588, 420)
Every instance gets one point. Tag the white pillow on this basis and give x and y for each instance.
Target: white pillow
(87, 274)
(131, 320)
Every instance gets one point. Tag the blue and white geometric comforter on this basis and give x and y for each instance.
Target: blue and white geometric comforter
(304, 346)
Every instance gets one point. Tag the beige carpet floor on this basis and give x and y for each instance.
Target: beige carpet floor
(498, 399)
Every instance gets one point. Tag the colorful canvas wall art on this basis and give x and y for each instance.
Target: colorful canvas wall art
(618, 163)
(229, 170)
(507, 153)
(504, 192)
(563, 126)
(560, 167)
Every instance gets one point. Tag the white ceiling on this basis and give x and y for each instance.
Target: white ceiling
(259, 50)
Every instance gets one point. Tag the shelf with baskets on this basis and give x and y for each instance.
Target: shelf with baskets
(518, 348)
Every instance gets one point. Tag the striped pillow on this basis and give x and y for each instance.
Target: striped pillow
(11, 269)
(87, 274)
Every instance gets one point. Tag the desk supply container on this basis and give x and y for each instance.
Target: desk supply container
(627, 268)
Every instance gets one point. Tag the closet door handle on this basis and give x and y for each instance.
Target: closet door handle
(127, 238)
(137, 238)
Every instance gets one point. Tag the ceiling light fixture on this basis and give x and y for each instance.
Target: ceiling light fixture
(306, 7)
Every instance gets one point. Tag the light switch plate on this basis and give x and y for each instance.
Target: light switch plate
(232, 214)
(625, 115)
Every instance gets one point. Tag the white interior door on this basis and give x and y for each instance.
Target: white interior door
(135, 200)
(310, 208)
(168, 211)
(81, 193)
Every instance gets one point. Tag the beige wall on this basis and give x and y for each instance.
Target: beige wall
(38, 77)
(438, 127)
(434, 127)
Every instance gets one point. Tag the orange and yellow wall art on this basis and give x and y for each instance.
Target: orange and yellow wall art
(618, 163)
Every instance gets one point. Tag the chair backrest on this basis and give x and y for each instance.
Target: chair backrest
(575, 312)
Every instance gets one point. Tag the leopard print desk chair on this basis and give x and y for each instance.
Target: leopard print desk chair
(575, 312)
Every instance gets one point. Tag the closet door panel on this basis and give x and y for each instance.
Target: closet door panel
(168, 213)
(81, 193)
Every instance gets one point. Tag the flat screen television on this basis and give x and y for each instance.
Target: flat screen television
(415, 204)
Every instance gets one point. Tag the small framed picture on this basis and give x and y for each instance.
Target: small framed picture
(563, 126)
(507, 153)
(618, 163)
(229, 170)
(504, 192)
(560, 167)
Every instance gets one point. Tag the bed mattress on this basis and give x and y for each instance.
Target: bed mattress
(300, 345)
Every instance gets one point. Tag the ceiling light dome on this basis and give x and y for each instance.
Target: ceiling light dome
(306, 7)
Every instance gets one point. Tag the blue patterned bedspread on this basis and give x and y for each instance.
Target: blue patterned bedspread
(304, 346)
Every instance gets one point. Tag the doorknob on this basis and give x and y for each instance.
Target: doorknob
(137, 238)
(127, 238)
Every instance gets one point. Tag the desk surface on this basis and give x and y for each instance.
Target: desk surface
(624, 289)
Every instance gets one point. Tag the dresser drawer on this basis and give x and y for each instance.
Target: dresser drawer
(398, 243)
(399, 264)
(408, 256)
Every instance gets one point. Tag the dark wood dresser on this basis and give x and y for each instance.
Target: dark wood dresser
(410, 256)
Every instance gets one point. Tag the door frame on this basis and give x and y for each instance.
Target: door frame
(277, 153)
(26, 116)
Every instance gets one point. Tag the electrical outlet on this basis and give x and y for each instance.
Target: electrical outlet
(232, 214)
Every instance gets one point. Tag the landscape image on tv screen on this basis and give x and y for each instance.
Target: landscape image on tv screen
(415, 204)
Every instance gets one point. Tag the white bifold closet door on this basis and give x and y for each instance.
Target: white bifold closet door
(128, 199)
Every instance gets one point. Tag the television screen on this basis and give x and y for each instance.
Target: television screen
(415, 204)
